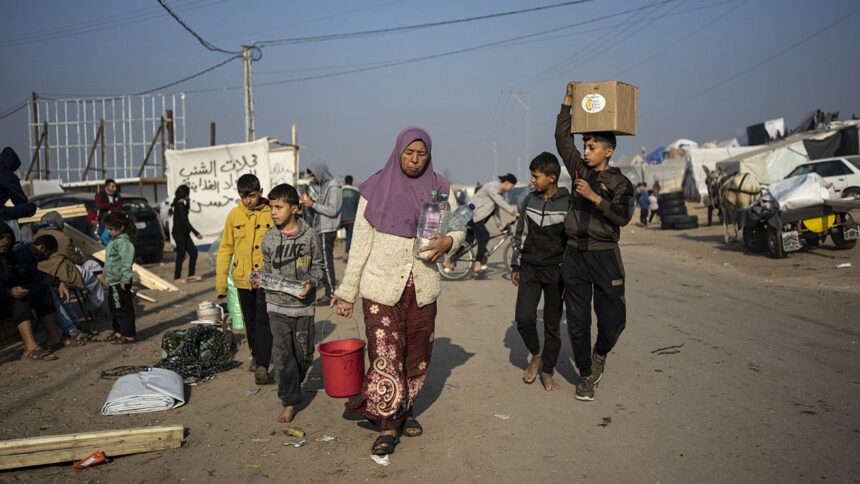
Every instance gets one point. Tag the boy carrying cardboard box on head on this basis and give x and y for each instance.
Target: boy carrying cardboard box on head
(592, 268)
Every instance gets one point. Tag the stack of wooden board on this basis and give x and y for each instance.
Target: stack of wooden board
(35, 451)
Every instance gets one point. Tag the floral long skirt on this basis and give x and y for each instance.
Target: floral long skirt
(399, 342)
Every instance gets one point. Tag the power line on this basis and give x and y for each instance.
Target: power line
(192, 76)
(757, 65)
(197, 36)
(112, 21)
(392, 30)
(14, 109)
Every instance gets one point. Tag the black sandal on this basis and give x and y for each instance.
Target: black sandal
(411, 428)
(384, 445)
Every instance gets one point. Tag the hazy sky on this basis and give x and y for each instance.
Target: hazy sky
(704, 68)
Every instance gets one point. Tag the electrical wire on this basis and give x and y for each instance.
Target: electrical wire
(14, 109)
(197, 36)
(756, 65)
(408, 28)
(192, 76)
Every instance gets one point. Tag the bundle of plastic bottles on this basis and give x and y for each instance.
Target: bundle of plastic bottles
(279, 283)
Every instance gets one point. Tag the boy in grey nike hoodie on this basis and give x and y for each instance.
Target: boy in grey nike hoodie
(290, 249)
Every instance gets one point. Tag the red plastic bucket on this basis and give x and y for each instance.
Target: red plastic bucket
(343, 367)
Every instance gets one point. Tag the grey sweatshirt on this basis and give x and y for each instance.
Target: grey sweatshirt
(297, 257)
(326, 209)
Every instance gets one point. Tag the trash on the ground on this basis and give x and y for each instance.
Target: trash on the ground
(502, 417)
(844, 265)
(726, 264)
(295, 443)
(325, 438)
(381, 459)
(94, 459)
(151, 390)
(605, 423)
(451, 386)
(295, 432)
(261, 440)
(253, 391)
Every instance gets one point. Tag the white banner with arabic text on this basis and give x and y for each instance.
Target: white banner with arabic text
(211, 174)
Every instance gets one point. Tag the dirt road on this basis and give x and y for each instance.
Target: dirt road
(733, 367)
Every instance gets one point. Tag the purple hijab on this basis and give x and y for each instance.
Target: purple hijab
(394, 200)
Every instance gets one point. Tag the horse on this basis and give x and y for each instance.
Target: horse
(737, 192)
(714, 179)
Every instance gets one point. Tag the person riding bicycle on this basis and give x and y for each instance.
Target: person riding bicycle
(488, 200)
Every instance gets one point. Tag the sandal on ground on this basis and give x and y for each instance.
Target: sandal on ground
(39, 354)
(194, 279)
(384, 445)
(76, 340)
(111, 338)
(411, 428)
(122, 341)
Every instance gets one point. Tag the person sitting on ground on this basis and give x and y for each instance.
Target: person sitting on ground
(23, 291)
(538, 248)
(10, 191)
(181, 231)
(290, 250)
(40, 257)
(488, 200)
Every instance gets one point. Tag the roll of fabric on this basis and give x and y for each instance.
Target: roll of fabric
(152, 390)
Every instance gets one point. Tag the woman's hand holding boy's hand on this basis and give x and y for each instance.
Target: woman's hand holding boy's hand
(515, 278)
(255, 282)
(440, 246)
(344, 308)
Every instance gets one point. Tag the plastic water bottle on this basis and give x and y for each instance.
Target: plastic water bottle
(446, 211)
(279, 283)
(458, 219)
(428, 225)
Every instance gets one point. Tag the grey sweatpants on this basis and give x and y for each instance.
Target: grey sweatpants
(293, 354)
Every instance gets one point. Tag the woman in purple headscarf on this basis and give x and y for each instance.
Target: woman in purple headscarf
(398, 291)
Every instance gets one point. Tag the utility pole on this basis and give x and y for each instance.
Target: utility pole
(522, 97)
(495, 149)
(249, 94)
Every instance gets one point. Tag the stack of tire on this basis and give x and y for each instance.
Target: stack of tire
(673, 212)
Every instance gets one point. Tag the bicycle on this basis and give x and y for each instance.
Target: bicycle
(463, 261)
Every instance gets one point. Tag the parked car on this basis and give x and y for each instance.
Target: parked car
(843, 172)
(150, 238)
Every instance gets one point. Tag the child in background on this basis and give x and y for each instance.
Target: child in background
(653, 205)
(119, 259)
(290, 249)
(181, 232)
(539, 243)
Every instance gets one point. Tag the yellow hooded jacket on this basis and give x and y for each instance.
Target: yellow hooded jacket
(242, 241)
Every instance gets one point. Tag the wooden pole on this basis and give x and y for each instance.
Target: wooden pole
(212, 133)
(47, 154)
(104, 162)
(35, 107)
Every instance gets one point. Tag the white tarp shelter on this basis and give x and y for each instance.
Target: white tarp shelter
(695, 188)
(670, 174)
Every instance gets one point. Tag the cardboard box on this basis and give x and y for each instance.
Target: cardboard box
(604, 106)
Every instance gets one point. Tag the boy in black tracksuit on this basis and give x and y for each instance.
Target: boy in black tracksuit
(539, 243)
(601, 205)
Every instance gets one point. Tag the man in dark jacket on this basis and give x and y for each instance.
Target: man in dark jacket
(601, 205)
(10, 189)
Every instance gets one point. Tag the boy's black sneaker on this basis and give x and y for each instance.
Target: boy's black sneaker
(598, 364)
(585, 389)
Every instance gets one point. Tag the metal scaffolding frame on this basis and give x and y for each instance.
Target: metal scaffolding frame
(125, 129)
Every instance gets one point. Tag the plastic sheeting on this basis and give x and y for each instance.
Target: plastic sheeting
(695, 188)
(799, 192)
(152, 390)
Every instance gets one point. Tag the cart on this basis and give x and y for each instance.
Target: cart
(781, 232)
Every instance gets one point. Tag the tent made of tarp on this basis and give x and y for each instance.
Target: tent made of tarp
(655, 157)
(670, 174)
(694, 185)
(773, 162)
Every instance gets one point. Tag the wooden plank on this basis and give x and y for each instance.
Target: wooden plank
(66, 212)
(146, 298)
(97, 251)
(66, 448)
(67, 441)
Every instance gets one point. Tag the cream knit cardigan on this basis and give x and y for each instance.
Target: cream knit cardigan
(379, 265)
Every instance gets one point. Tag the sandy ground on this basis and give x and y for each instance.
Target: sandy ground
(760, 384)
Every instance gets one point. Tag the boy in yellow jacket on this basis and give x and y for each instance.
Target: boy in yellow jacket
(241, 242)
